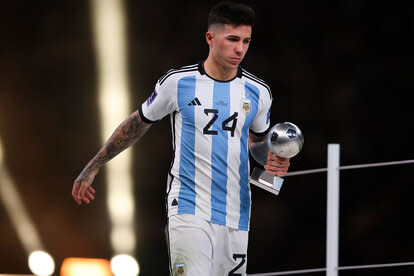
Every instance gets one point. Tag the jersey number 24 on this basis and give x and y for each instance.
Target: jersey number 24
(229, 124)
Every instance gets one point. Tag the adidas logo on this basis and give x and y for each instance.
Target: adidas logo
(195, 102)
(174, 202)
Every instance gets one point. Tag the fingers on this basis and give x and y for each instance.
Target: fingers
(82, 192)
(277, 172)
(90, 195)
(91, 190)
(86, 199)
(86, 193)
(273, 157)
(75, 190)
(277, 165)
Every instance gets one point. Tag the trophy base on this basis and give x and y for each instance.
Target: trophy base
(266, 181)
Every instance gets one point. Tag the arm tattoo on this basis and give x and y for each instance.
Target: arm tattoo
(125, 135)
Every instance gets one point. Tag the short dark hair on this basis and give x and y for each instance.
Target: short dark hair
(231, 13)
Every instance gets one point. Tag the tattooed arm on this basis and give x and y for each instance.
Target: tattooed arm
(126, 134)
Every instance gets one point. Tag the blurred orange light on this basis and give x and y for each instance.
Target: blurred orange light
(85, 267)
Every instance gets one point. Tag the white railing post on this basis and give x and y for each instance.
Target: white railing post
(332, 213)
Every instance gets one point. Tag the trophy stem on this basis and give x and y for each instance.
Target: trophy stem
(259, 152)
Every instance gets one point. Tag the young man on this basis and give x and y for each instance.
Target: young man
(217, 109)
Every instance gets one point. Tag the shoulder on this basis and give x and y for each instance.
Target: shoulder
(261, 84)
(174, 74)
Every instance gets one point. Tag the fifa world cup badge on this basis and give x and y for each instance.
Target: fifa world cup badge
(245, 106)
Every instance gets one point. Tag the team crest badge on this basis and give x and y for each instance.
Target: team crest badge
(245, 106)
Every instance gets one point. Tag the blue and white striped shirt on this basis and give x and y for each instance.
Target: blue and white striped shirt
(211, 121)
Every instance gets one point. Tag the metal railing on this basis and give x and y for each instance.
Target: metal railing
(332, 215)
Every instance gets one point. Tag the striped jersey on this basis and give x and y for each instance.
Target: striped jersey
(210, 122)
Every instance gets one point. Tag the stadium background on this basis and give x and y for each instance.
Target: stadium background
(340, 70)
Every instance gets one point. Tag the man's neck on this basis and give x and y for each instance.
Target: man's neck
(218, 72)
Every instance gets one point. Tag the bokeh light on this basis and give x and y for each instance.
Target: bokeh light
(41, 263)
(85, 267)
(124, 265)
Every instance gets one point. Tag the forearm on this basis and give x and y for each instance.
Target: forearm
(254, 139)
(125, 135)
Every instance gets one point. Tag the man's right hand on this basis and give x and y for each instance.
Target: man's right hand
(125, 135)
(82, 190)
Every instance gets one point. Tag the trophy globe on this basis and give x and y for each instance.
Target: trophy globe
(285, 140)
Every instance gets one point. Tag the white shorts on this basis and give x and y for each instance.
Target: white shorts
(198, 247)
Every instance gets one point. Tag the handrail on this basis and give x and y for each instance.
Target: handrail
(349, 167)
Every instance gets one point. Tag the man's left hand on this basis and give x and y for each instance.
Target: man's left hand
(277, 165)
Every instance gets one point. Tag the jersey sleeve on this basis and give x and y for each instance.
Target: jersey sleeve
(261, 122)
(161, 102)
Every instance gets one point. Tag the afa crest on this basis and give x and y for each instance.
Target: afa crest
(245, 106)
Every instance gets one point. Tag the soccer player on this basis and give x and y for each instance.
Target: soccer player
(217, 110)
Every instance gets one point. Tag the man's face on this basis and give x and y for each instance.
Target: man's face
(229, 45)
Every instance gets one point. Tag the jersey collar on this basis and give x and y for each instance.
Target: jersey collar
(203, 72)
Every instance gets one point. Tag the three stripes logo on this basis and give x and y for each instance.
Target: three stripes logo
(195, 102)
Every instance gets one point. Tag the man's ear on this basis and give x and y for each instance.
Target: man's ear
(209, 38)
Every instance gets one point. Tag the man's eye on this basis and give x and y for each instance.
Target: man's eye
(233, 39)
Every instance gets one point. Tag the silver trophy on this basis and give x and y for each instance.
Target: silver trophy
(284, 140)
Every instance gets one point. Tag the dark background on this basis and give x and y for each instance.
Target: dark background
(340, 70)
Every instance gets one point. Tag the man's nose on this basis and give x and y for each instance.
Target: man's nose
(239, 47)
